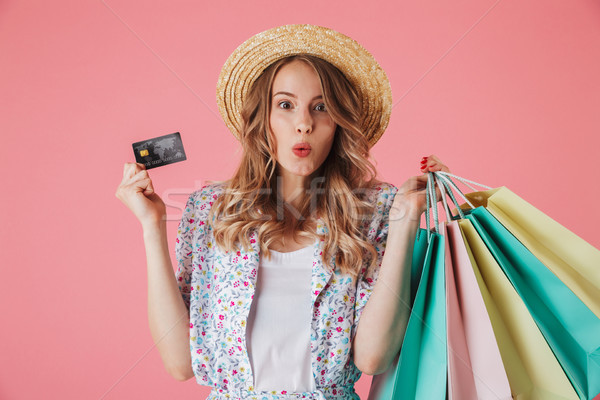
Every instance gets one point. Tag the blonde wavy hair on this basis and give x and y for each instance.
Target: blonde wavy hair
(338, 188)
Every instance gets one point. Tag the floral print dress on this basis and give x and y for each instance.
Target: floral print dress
(218, 287)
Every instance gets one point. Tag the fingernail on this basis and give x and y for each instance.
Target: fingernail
(423, 161)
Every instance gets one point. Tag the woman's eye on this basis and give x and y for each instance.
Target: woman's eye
(320, 107)
(284, 104)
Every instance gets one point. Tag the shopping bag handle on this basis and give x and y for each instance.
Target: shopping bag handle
(447, 181)
(463, 180)
(431, 201)
(446, 187)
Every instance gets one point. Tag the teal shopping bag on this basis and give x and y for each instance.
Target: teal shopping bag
(382, 386)
(571, 329)
(419, 372)
(418, 260)
(422, 366)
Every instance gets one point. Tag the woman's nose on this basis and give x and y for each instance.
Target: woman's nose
(304, 122)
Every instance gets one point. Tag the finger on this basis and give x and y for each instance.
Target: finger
(143, 186)
(418, 183)
(434, 158)
(127, 170)
(130, 169)
(149, 187)
(437, 161)
(128, 173)
(411, 185)
(421, 178)
(427, 167)
(438, 167)
(435, 167)
(138, 176)
(141, 175)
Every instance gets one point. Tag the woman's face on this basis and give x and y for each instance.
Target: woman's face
(298, 115)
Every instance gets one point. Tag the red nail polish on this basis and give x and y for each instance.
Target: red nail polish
(423, 161)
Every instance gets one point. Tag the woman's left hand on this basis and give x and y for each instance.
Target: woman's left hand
(410, 200)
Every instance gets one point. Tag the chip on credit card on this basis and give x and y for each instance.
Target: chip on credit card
(159, 151)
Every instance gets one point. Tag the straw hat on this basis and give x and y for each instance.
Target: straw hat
(248, 61)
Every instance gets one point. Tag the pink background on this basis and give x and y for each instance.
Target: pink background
(504, 92)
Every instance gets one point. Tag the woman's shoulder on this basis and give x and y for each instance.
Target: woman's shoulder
(209, 192)
(382, 186)
(380, 192)
(201, 200)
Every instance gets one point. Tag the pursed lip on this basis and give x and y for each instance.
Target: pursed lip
(301, 146)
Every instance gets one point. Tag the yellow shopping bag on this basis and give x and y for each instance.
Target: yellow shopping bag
(573, 260)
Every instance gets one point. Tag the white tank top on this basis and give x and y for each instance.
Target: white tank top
(279, 323)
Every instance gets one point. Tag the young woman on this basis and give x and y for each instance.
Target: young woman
(277, 265)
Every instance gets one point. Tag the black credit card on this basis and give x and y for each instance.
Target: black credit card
(159, 151)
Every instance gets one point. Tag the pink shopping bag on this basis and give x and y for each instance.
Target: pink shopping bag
(475, 368)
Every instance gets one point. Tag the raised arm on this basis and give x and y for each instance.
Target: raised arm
(168, 315)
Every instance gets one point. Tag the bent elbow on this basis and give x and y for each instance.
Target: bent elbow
(371, 370)
(181, 373)
(373, 366)
(367, 366)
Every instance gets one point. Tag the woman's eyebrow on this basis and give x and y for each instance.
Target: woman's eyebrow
(294, 96)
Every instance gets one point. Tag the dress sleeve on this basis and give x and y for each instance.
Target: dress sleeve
(184, 249)
(377, 235)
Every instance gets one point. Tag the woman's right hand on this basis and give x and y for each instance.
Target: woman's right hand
(137, 193)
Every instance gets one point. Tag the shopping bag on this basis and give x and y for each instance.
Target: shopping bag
(419, 371)
(571, 329)
(382, 385)
(568, 325)
(461, 382)
(523, 373)
(475, 367)
(573, 260)
(422, 364)
(532, 369)
(417, 262)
